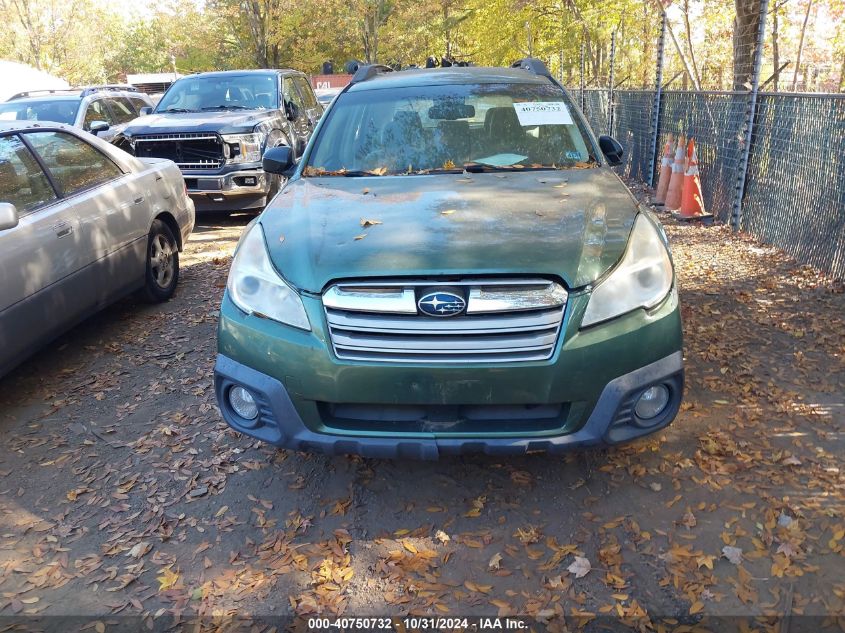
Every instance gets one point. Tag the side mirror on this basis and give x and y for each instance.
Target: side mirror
(98, 126)
(277, 160)
(611, 149)
(145, 111)
(8, 216)
(292, 110)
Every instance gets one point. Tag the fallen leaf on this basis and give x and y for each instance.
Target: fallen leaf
(495, 561)
(581, 567)
(167, 579)
(368, 223)
(733, 554)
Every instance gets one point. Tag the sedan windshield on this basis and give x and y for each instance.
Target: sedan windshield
(477, 127)
(55, 110)
(221, 92)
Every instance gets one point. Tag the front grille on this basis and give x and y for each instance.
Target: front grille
(444, 419)
(387, 327)
(189, 150)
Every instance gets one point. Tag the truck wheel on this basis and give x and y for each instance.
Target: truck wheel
(275, 185)
(162, 272)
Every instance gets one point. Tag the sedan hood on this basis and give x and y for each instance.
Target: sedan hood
(572, 225)
(224, 122)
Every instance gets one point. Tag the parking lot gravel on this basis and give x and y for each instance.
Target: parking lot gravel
(123, 493)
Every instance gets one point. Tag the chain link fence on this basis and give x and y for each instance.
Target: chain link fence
(771, 163)
(794, 193)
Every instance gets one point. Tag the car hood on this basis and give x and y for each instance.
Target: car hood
(232, 122)
(572, 225)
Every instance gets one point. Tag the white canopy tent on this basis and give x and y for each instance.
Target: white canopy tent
(15, 78)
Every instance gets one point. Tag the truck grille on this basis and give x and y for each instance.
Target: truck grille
(505, 321)
(190, 150)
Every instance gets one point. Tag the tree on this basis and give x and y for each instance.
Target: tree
(746, 27)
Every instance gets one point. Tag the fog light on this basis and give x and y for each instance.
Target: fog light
(243, 403)
(652, 402)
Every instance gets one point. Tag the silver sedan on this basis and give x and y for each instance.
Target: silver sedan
(82, 224)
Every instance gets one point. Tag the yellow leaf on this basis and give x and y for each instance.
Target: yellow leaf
(409, 546)
(402, 532)
(167, 579)
(697, 606)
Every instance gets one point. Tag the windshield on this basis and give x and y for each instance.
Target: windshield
(470, 126)
(222, 92)
(57, 110)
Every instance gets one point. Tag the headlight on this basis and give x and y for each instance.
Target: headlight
(256, 288)
(244, 148)
(641, 280)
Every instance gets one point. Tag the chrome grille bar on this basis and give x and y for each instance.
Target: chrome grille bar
(182, 136)
(513, 321)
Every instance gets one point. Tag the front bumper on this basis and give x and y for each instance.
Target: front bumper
(242, 188)
(612, 420)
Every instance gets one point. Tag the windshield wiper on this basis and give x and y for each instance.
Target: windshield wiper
(225, 107)
(356, 173)
(176, 110)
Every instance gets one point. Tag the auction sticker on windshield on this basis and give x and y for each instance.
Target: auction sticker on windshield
(542, 113)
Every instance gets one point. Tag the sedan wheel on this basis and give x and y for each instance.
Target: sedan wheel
(162, 263)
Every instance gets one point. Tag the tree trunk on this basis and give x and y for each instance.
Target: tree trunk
(801, 46)
(746, 25)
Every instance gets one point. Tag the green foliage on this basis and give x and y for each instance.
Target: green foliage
(87, 40)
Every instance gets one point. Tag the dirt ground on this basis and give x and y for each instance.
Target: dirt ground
(122, 492)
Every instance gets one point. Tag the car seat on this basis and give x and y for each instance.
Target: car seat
(10, 182)
(504, 132)
(403, 142)
(454, 141)
(263, 100)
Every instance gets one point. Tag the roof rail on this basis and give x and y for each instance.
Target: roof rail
(37, 93)
(369, 71)
(88, 90)
(534, 65)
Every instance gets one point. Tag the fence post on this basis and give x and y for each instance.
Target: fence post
(582, 96)
(610, 87)
(655, 108)
(750, 112)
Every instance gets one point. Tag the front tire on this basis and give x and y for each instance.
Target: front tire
(162, 273)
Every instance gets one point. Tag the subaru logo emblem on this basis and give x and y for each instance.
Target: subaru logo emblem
(441, 303)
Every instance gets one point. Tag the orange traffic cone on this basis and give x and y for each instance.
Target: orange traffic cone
(692, 202)
(665, 174)
(676, 182)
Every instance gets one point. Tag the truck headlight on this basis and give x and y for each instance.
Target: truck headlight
(244, 148)
(256, 288)
(642, 279)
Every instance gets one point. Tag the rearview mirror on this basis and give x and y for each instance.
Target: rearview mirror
(98, 126)
(8, 216)
(145, 111)
(611, 149)
(450, 111)
(277, 160)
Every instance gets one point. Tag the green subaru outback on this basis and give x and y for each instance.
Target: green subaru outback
(451, 267)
